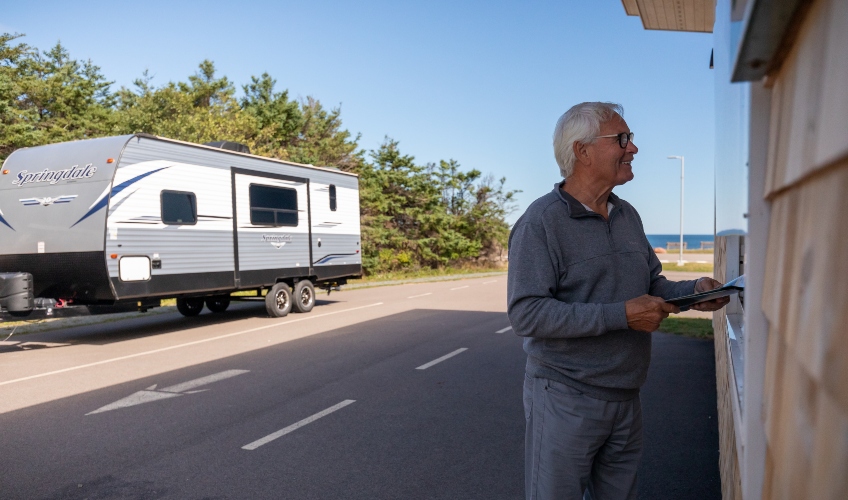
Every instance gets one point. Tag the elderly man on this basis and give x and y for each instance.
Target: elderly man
(585, 290)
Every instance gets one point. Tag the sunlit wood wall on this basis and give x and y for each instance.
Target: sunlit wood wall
(805, 295)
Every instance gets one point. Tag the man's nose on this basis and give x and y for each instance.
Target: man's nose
(631, 148)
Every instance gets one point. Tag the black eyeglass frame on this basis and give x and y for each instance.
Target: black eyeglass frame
(624, 138)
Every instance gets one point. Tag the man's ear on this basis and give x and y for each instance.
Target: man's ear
(581, 153)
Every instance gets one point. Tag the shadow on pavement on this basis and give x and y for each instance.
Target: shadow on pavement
(680, 458)
(457, 428)
(117, 329)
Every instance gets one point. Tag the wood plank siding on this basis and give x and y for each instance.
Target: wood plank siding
(805, 296)
(673, 15)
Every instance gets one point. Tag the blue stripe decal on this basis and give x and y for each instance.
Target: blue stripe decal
(335, 256)
(115, 190)
(6, 223)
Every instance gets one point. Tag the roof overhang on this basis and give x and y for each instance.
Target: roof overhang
(769, 30)
(673, 15)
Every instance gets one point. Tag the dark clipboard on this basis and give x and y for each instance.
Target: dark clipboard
(729, 288)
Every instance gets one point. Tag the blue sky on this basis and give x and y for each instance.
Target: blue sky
(479, 82)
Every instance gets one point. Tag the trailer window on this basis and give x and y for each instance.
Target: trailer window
(179, 207)
(333, 197)
(273, 206)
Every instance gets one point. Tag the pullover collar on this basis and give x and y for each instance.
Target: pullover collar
(576, 209)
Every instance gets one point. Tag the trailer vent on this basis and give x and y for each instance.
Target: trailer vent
(229, 146)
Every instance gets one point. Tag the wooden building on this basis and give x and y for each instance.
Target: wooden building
(781, 69)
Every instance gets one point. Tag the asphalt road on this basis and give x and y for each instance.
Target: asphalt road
(399, 392)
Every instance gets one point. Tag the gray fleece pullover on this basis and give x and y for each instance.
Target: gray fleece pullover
(570, 272)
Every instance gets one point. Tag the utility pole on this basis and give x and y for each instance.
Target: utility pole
(680, 259)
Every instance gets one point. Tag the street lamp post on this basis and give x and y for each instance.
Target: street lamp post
(680, 259)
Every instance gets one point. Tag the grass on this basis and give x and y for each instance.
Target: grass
(698, 328)
(427, 273)
(692, 267)
(689, 250)
(167, 305)
(688, 327)
(23, 327)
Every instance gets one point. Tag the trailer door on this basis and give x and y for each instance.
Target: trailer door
(271, 227)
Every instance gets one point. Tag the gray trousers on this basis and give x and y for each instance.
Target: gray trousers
(577, 447)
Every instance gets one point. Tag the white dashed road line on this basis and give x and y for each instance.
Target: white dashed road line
(459, 287)
(503, 330)
(420, 295)
(439, 360)
(487, 282)
(293, 427)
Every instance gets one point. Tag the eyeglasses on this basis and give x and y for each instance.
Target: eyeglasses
(623, 138)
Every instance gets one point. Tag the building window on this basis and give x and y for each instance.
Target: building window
(273, 206)
(179, 208)
(333, 197)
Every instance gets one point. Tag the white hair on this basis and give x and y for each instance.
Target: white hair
(580, 124)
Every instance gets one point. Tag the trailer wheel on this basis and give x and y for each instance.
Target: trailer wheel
(218, 304)
(278, 302)
(304, 297)
(190, 306)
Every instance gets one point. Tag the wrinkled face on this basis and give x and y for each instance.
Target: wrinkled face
(611, 162)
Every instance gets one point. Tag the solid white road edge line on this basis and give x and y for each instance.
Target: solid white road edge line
(439, 360)
(293, 427)
(502, 330)
(420, 295)
(178, 346)
(459, 287)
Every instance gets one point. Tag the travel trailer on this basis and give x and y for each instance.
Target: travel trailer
(123, 222)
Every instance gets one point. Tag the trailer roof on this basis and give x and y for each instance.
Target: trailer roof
(227, 151)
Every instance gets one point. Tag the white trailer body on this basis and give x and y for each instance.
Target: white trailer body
(139, 217)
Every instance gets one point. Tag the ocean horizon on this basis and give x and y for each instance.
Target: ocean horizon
(693, 241)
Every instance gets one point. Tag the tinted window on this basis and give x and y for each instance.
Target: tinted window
(179, 208)
(332, 197)
(273, 206)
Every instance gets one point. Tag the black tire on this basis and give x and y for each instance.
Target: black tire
(278, 302)
(218, 303)
(190, 306)
(303, 298)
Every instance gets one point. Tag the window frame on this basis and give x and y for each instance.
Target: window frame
(192, 196)
(251, 207)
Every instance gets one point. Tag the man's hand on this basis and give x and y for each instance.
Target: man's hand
(705, 284)
(645, 313)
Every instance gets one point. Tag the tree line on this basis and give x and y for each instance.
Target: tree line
(412, 215)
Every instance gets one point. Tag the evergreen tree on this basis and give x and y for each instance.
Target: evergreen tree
(201, 110)
(279, 119)
(49, 97)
